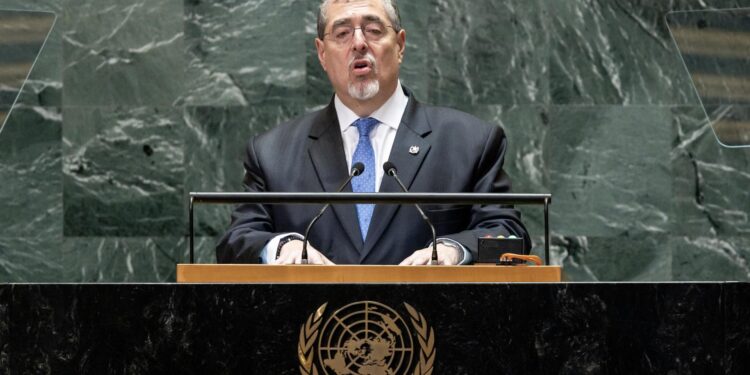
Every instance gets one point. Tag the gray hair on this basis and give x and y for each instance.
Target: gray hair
(391, 9)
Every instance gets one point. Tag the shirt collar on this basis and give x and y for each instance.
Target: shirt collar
(389, 113)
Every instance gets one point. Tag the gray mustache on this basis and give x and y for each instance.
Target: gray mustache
(370, 58)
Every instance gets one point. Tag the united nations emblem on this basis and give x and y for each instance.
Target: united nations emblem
(366, 338)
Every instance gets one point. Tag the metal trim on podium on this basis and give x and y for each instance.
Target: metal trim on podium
(258, 273)
(375, 198)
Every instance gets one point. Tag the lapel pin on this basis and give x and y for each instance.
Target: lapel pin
(414, 150)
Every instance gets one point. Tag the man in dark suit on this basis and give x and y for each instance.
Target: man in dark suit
(371, 119)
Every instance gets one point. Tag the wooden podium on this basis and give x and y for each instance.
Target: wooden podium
(347, 274)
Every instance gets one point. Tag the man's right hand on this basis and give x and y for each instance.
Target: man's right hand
(291, 253)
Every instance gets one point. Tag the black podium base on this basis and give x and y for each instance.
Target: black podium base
(452, 329)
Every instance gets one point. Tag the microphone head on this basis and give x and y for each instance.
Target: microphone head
(389, 168)
(357, 169)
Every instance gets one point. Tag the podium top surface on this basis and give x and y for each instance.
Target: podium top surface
(355, 274)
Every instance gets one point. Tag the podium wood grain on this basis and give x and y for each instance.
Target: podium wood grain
(347, 274)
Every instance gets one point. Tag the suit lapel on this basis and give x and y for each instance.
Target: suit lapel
(412, 131)
(328, 158)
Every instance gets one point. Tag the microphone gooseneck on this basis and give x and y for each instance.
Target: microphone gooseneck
(390, 170)
(356, 170)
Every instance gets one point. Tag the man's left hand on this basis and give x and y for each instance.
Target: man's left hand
(447, 255)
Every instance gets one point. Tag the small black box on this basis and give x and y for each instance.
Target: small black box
(490, 249)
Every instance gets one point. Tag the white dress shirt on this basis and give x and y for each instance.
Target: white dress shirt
(381, 136)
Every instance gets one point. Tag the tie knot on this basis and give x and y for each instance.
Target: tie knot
(365, 125)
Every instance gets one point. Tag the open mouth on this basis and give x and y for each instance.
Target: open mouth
(361, 67)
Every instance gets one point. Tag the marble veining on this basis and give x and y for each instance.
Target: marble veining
(102, 195)
(118, 53)
(132, 104)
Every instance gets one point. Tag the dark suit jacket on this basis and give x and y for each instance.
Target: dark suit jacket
(457, 153)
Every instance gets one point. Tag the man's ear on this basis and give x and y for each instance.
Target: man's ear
(401, 40)
(321, 47)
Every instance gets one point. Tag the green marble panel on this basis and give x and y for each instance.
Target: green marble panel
(318, 90)
(204, 250)
(122, 53)
(622, 258)
(116, 259)
(711, 195)
(31, 173)
(710, 258)
(525, 128)
(615, 52)
(31, 259)
(123, 172)
(245, 52)
(488, 52)
(639, 193)
(216, 138)
(609, 170)
(415, 20)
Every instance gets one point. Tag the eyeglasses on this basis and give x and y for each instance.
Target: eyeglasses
(373, 32)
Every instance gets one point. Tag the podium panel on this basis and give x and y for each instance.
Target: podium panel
(261, 273)
(448, 328)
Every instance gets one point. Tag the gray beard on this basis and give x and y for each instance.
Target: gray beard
(364, 91)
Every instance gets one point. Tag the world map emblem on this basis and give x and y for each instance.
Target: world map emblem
(366, 338)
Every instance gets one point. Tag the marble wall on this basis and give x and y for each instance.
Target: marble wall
(133, 104)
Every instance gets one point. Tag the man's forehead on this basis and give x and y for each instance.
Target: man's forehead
(352, 1)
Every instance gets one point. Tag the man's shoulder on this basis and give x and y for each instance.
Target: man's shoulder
(297, 128)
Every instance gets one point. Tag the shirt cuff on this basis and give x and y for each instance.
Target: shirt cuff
(467, 258)
(269, 252)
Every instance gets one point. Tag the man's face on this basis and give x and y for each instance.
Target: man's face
(361, 69)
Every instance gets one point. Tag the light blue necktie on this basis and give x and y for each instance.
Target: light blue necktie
(364, 183)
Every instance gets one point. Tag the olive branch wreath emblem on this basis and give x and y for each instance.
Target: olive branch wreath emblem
(310, 330)
(307, 336)
(426, 336)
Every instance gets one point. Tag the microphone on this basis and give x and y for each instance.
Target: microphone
(356, 170)
(390, 170)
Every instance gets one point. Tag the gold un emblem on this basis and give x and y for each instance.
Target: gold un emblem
(366, 338)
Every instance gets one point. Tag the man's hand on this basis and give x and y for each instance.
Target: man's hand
(291, 253)
(447, 255)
